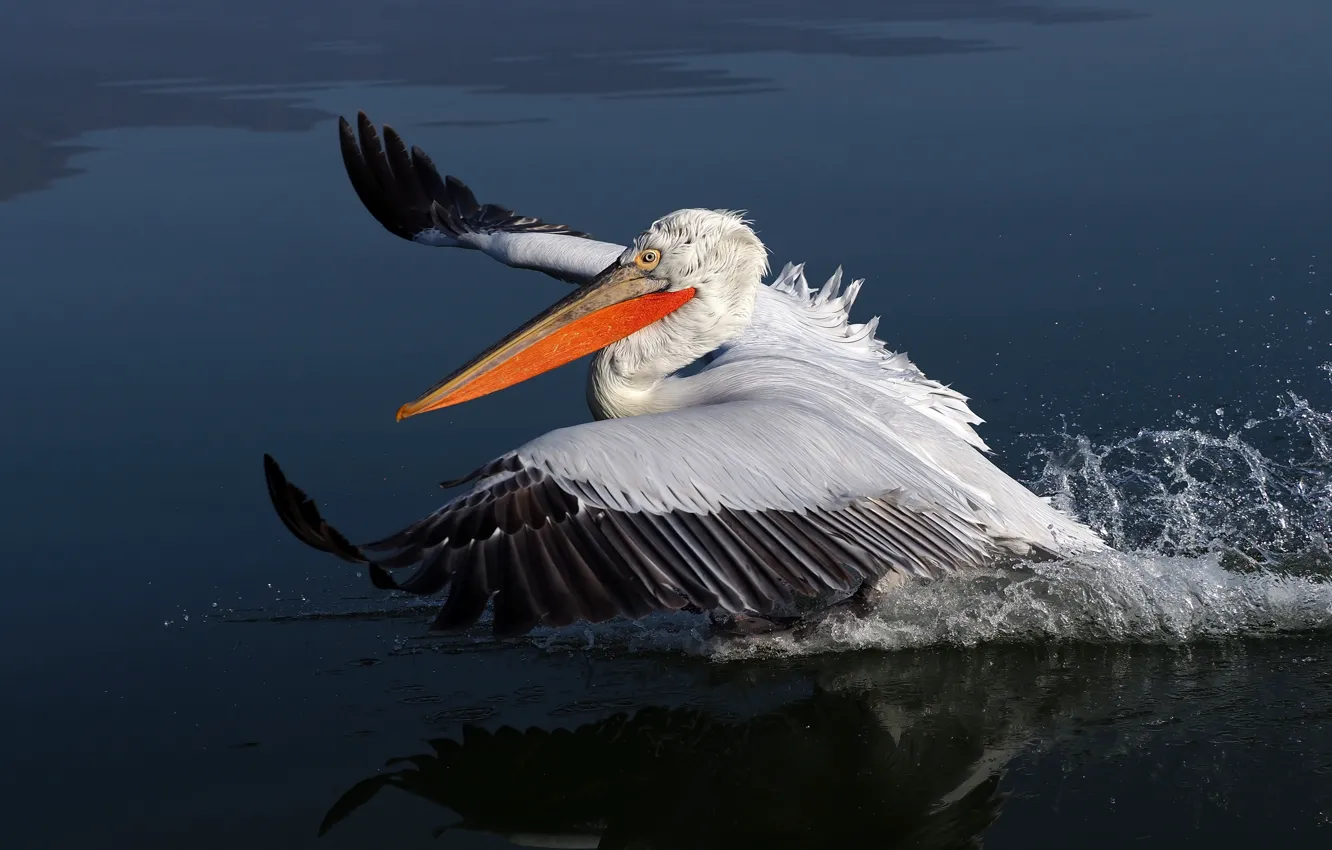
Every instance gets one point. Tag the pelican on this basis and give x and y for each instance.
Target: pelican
(802, 464)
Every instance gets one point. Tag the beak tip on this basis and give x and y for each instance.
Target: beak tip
(403, 413)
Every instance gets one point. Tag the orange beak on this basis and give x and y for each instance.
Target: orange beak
(618, 302)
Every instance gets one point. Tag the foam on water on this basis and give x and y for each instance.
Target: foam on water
(1119, 597)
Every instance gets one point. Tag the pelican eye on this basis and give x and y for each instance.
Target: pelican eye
(647, 260)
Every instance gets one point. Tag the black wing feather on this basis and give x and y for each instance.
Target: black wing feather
(546, 557)
(402, 189)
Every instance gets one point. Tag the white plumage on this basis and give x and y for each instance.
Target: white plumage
(803, 458)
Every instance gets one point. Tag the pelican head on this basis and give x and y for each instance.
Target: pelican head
(713, 252)
(684, 287)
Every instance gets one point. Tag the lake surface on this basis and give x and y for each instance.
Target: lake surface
(1108, 224)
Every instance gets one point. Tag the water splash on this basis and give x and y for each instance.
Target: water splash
(1217, 535)
(1263, 492)
(1120, 597)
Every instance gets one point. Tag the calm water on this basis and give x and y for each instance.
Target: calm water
(1109, 224)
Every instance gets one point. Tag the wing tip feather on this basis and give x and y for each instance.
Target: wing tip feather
(301, 516)
(402, 189)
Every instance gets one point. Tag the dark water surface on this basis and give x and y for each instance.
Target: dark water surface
(1108, 224)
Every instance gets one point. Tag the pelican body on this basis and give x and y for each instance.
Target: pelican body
(803, 460)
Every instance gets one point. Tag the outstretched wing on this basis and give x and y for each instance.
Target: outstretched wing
(730, 507)
(405, 193)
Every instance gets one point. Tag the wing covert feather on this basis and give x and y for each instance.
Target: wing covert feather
(553, 534)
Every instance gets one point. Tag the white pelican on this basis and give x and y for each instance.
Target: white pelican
(802, 460)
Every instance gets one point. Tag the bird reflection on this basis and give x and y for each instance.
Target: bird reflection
(900, 750)
(823, 771)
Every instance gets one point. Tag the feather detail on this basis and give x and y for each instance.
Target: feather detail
(821, 318)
